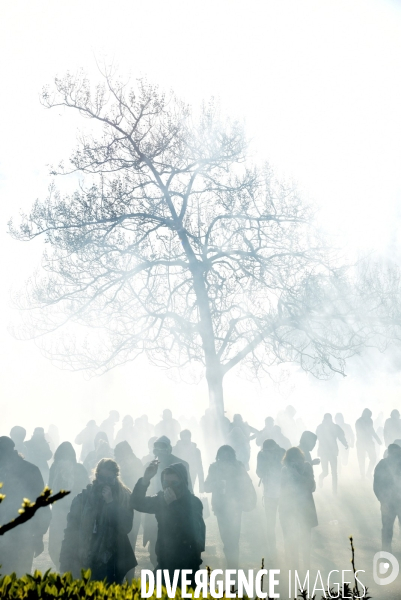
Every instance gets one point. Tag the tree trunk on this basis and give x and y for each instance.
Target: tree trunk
(216, 397)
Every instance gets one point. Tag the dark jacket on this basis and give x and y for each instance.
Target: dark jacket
(181, 528)
(97, 532)
(387, 480)
(296, 496)
(269, 466)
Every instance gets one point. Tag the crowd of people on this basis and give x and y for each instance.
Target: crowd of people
(137, 475)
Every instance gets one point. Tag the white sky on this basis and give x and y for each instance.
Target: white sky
(318, 84)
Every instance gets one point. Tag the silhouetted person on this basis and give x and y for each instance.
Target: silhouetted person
(266, 433)
(86, 439)
(180, 526)
(349, 436)
(150, 456)
(65, 474)
(102, 450)
(186, 449)
(108, 426)
(131, 469)
(387, 487)
(162, 450)
(38, 452)
(18, 435)
(53, 437)
(168, 426)
(297, 507)
(392, 428)
(98, 524)
(232, 493)
(327, 434)
(306, 445)
(127, 432)
(20, 479)
(268, 469)
(365, 442)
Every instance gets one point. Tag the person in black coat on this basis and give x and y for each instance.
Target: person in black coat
(387, 488)
(297, 507)
(65, 474)
(98, 524)
(20, 479)
(268, 469)
(180, 525)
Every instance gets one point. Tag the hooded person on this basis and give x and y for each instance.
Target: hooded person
(232, 492)
(38, 452)
(297, 507)
(306, 445)
(102, 450)
(180, 525)
(392, 428)
(18, 435)
(365, 442)
(20, 479)
(86, 439)
(268, 469)
(162, 451)
(98, 524)
(387, 488)
(65, 474)
(131, 469)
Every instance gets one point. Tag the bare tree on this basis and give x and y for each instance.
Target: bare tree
(176, 245)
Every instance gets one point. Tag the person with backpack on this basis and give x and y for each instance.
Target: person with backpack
(232, 493)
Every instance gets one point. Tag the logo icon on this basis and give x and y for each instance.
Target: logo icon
(381, 568)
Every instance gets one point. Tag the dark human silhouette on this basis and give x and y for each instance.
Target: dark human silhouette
(392, 428)
(387, 487)
(327, 434)
(168, 426)
(86, 439)
(297, 507)
(98, 524)
(38, 452)
(187, 450)
(162, 450)
(365, 442)
(127, 432)
(306, 445)
(268, 469)
(102, 450)
(18, 435)
(232, 493)
(266, 433)
(349, 436)
(20, 479)
(65, 474)
(108, 426)
(150, 456)
(131, 469)
(180, 525)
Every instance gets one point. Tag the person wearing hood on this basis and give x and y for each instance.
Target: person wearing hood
(327, 434)
(297, 507)
(162, 451)
(232, 492)
(188, 451)
(102, 450)
(98, 524)
(20, 479)
(131, 469)
(18, 435)
(392, 428)
(38, 452)
(180, 525)
(268, 469)
(65, 474)
(86, 439)
(365, 442)
(306, 445)
(387, 488)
